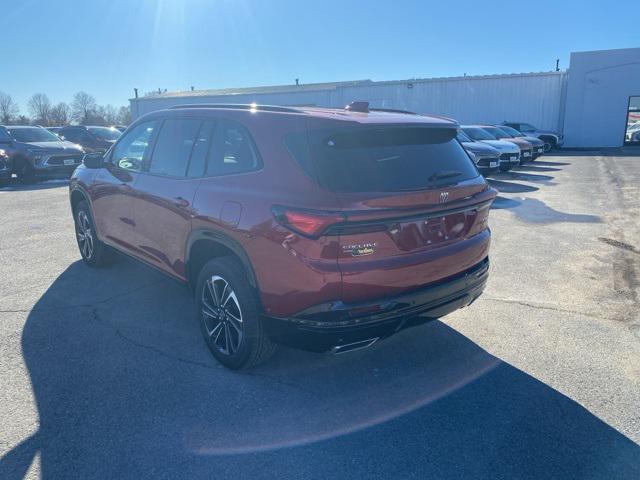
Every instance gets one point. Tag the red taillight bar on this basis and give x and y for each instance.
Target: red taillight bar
(306, 222)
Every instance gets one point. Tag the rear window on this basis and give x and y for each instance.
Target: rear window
(387, 159)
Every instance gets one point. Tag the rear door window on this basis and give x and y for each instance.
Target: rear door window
(201, 149)
(173, 147)
(232, 151)
(389, 159)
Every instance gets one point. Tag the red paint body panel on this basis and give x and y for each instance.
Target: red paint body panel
(153, 219)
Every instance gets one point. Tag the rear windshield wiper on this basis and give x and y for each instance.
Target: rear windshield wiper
(444, 174)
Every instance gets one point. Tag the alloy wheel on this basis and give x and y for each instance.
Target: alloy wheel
(222, 315)
(85, 234)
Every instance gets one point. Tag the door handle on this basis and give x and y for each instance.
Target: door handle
(180, 202)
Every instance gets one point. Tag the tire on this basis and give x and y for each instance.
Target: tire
(25, 173)
(550, 141)
(228, 314)
(94, 253)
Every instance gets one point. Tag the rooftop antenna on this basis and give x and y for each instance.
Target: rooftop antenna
(135, 90)
(297, 81)
(192, 88)
(557, 64)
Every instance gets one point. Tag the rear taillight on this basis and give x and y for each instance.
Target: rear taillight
(308, 223)
(481, 221)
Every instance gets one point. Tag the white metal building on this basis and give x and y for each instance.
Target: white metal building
(588, 102)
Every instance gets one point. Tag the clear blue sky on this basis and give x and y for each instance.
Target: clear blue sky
(108, 47)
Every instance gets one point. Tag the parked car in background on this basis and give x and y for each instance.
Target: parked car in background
(632, 135)
(539, 147)
(35, 152)
(5, 171)
(55, 130)
(375, 221)
(526, 149)
(509, 151)
(553, 139)
(486, 158)
(92, 138)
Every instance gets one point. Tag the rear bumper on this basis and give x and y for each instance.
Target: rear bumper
(322, 327)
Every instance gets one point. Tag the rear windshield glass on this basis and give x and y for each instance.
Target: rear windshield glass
(388, 159)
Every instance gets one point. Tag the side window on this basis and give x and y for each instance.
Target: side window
(70, 134)
(4, 136)
(132, 147)
(233, 150)
(200, 150)
(173, 148)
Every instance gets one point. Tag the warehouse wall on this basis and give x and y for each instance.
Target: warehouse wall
(598, 91)
(534, 98)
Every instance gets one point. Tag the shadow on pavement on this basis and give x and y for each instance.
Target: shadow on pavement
(125, 388)
(532, 210)
(537, 168)
(546, 163)
(529, 177)
(510, 187)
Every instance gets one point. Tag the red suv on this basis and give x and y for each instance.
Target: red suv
(326, 229)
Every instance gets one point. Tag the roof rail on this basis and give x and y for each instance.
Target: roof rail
(362, 107)
(239, 106)
(392, 110)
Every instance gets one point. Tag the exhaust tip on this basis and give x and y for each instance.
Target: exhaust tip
(350, 347)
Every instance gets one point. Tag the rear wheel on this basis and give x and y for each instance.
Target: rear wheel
(229, 315)
(94, 252)
(549, 141)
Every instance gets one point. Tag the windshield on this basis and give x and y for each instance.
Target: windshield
(32, 134)
(525, 127)
(478, 133)
(496, 132)
(462, 137)
(388, 159)
(105, 133)
(511, 131)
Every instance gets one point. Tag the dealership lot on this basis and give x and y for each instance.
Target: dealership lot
(105, 371)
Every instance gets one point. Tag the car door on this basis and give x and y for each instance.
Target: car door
(113, 192)
(166, 189)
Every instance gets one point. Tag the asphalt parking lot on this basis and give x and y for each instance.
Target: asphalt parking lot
(104, 373)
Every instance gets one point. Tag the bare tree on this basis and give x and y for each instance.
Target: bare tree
(21, 120)
(60, 114)
(83, 107)
(124, 116)
(40, 108)
(8, 108)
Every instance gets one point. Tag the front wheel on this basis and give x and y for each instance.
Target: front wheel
(25, 173)
(94, 253)
(229, 315)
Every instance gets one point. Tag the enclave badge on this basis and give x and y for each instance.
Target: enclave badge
(359, 250)
(444, 196)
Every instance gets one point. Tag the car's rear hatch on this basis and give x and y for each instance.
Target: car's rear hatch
(411, 202)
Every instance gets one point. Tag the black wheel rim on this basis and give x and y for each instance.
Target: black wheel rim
(222, 315)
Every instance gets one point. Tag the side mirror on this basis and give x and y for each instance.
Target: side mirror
(93, 160)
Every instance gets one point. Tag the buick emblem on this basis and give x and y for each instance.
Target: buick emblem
(444, 196)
